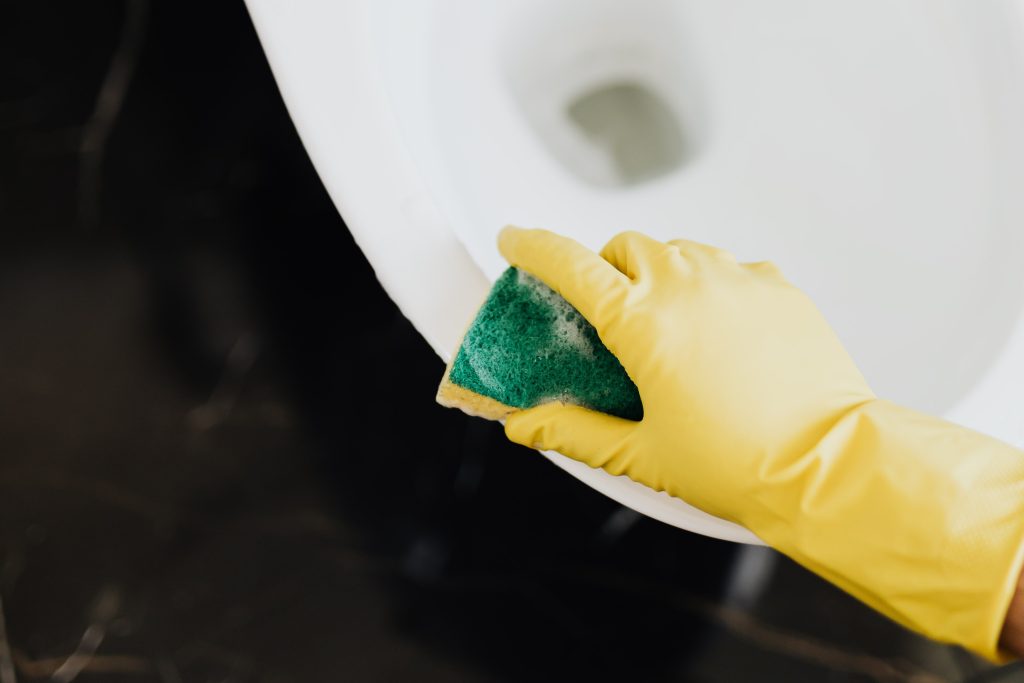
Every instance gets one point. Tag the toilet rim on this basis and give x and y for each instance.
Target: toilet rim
(384, 193)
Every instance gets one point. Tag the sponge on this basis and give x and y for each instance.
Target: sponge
(527, 346)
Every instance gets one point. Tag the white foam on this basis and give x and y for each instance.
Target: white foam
(478, 360)
(571, 333)
(568, 324)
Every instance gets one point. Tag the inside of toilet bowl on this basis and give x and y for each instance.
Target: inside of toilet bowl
(866, 174)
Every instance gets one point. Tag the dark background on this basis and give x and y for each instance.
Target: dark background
(220, 459)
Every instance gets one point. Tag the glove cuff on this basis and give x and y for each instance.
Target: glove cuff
(919, 518)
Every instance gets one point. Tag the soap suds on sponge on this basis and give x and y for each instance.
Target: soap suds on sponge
(568, 326)
(528, 346)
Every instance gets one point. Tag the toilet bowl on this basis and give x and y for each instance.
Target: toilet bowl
(873, 149)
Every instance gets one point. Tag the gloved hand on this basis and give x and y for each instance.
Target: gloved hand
(754, 412)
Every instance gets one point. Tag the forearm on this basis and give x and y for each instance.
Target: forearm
(1012, 638)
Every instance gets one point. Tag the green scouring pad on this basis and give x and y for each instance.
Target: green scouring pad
(527, 346)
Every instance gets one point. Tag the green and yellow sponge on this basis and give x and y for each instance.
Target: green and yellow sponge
(527, 346)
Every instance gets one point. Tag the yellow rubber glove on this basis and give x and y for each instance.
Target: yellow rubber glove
(754, 412)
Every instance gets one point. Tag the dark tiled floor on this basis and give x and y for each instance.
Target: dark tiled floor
(220, 456)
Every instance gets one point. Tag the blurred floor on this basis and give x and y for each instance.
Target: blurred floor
(221, 459)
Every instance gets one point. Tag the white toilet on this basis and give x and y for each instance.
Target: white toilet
(873, 148)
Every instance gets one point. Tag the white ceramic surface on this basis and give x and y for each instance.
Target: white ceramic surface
(874, 149)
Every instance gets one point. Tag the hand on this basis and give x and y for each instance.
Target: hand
(738, 372)
(755, 413)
